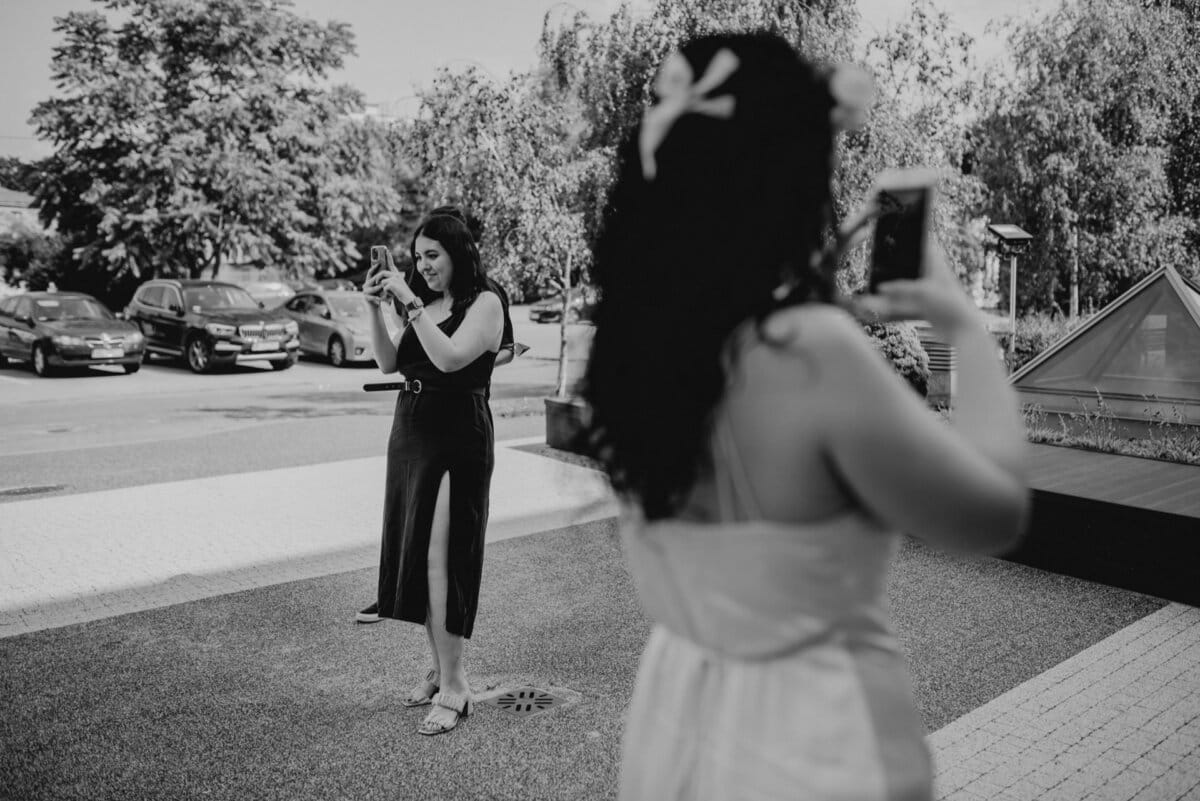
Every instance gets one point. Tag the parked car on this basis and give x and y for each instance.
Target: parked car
(212, 324)
(334, 324)
(549, 310)
(337, 283)
(52, 330)
(271, 294)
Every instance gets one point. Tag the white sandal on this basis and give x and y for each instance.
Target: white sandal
(459, 704)
(424, 692)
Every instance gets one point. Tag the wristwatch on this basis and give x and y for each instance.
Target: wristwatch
(414, 307)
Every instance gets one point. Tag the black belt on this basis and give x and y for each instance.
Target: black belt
(416, 387)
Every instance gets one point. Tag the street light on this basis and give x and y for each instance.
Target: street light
(1013, 241)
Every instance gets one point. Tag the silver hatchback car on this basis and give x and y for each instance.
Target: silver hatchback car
(334, 324)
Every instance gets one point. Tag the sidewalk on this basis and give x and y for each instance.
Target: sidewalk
(241, 676)
(98, 554)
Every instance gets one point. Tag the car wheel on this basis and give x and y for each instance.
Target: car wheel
(284, 364)
(130, 369)
(337, 351)
(41, 364)
(199, 355)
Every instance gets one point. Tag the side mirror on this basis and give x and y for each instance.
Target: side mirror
(175, 309)
(327, 314)
(262, 305)
(24, 318)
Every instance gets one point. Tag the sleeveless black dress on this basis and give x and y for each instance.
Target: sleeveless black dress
(446, 428)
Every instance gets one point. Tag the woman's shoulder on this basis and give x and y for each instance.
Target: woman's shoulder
(814, 327)
(486, 301)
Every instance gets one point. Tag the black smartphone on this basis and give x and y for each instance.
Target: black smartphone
(904, 201)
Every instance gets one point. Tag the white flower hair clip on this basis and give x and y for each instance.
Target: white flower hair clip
(853, 92)
(679, 95)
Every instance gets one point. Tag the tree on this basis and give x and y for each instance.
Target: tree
(511, 154)
(1091, 148)
(18, 175)
(194, 133)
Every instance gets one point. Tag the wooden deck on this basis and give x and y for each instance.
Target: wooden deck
(1117, 520)
(1126, 480)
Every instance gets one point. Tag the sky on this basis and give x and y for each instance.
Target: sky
(401, 43)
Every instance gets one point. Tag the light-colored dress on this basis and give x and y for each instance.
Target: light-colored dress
(771, 671)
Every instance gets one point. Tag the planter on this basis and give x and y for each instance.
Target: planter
(565, 421)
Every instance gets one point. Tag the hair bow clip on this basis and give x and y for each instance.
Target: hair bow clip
(678, 95)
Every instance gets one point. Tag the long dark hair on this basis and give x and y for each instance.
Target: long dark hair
(738, 209)
(468, 278)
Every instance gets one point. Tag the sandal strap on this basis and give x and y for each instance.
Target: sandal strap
(455, 702)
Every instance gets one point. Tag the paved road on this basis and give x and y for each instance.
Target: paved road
(102, 429)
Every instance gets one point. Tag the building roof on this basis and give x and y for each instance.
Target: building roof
(10, 198)
(1144, 344)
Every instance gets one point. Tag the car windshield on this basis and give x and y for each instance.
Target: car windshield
(219, 297)
(51, 309)
(348, 307)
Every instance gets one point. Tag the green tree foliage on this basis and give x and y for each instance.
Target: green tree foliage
(924, 73)
(189, 134)
(18, 175)
(30, 256)
(511, 154)
(609, 64)
(1092, 147)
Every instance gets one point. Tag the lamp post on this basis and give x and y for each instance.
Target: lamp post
(1013, 241)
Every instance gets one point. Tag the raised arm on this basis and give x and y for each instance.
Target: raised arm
(959, 486)
(385, 347)
(479, 332)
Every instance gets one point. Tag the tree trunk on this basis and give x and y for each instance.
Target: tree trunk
(1075, 271)
(560, 388)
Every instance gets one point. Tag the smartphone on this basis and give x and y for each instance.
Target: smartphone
(904, 200)
(378, 259)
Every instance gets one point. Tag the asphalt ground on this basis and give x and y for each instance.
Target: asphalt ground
(276, 693)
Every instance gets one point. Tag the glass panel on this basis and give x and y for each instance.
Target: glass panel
(348, 306)
(219, 297)
(1149, 346)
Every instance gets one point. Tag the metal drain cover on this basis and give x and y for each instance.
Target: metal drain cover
(525, 701)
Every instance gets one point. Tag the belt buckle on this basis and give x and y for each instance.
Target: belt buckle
(414, 386)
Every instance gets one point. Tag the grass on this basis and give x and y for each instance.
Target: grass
(1096, 428)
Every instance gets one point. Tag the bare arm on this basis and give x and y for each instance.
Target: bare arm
(960, 487)
(381, 340)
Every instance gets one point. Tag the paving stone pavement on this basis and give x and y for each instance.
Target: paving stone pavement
(1119, 721)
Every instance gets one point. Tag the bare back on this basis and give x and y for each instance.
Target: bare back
(790, 476)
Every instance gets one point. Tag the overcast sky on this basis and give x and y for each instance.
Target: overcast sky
(399, 43)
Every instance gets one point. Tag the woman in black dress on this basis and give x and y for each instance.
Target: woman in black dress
(441, 451)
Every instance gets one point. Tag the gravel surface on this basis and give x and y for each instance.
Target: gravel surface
(276, 693)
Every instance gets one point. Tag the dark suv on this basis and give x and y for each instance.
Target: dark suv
(211, 324)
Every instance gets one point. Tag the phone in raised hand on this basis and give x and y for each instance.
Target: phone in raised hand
(903, 201)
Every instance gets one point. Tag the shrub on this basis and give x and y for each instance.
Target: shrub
(900, 345)
(1035, 333)
(1169, 440)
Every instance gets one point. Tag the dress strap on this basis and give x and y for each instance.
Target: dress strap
(735, 497)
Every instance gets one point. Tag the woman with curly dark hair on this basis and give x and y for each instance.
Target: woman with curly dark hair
(441, 451)
(766, 454)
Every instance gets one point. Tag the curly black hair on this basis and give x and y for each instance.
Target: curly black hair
(728, 230)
